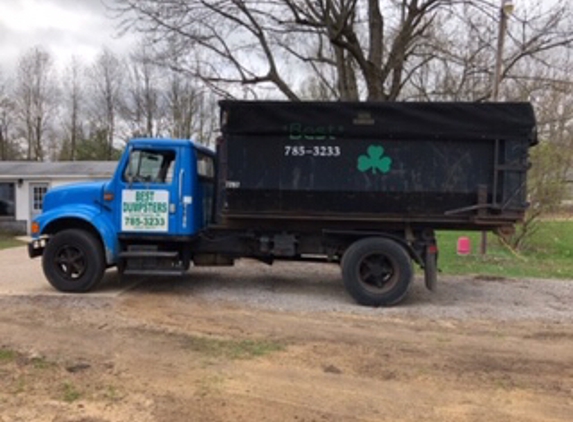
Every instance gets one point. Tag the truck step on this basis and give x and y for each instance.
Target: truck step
(149, 254)
(173, 272)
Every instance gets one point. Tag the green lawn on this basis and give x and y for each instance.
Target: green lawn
(7, 241)
(549, 254)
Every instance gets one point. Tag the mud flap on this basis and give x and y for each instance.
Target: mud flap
(431, 267)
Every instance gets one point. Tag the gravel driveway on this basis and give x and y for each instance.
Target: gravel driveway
(316, 288)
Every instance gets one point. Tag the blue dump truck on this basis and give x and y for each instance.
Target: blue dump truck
(361, 185)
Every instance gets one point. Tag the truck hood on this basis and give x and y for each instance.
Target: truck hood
(90, 193)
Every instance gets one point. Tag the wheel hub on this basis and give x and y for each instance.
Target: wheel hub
(70, 262)
(376, 272)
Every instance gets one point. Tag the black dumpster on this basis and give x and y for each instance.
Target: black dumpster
(450, 164)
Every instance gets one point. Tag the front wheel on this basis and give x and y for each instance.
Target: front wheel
(377, 272)
(73, 261)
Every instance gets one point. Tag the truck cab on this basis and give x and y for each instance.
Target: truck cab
(161, 186)
(141, 220)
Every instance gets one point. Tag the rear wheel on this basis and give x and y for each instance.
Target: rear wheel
(377, 272)
(73, 261)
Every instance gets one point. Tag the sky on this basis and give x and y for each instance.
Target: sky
(63, 27)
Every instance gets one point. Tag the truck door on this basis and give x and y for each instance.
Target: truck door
(151, 188)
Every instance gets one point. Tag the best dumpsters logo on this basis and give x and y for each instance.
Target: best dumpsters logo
(374, 160)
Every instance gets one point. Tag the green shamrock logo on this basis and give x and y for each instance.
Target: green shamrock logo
(374, 160)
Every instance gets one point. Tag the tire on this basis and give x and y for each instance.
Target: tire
(377, 272)
(73, 261)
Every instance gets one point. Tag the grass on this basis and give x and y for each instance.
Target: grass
(20, 374)
(111, 393)
(7, 241)
(231, 349)
(209, 385)
(549, 254)
(70, 393)
(20, 386)
(41, 363)
(7, 355)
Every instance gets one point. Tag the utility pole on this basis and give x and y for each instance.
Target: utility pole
(505, 10)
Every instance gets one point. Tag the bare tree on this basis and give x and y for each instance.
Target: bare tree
(36, 99)
(7, 111)
(144, 108)
(182, 104)
(372, 49)
(463, 44)
(206, 119)
(107, 78)
(73, 102)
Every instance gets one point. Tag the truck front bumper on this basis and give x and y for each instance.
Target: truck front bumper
(36, 247)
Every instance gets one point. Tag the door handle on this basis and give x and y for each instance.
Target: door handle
(180, 199)
(181, 175)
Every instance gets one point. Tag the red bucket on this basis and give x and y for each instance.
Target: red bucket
(464, 246)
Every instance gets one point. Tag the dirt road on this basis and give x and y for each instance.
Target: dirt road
(179, 351)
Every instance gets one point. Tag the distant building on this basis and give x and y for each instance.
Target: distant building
(23, 185)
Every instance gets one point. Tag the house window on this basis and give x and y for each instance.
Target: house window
(38, 200)
(7, 208)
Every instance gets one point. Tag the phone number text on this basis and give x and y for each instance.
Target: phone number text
(312, 151)
(144, 221)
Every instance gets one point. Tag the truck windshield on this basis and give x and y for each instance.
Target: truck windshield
(150, 166)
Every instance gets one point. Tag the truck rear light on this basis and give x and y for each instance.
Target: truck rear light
(108, 196)
(35, 229)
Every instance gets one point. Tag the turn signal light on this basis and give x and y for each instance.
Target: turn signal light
(108, 196)
(35, 229)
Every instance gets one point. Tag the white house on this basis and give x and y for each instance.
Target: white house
(23, 185)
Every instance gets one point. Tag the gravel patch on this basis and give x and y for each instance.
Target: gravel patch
(302, 287)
